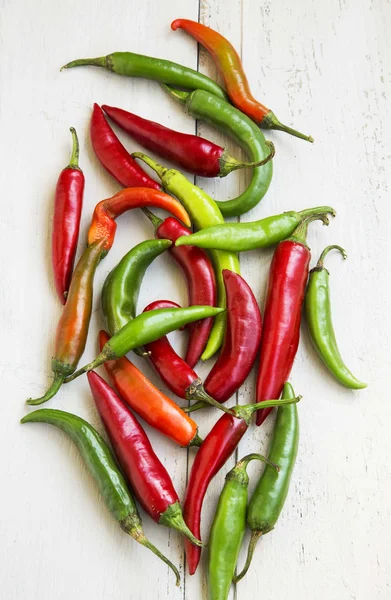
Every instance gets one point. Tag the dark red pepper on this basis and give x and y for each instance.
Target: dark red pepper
(200, 277)
(147, 476)
(191, 152)
(281, 326)
(66, 220)
(114, 156)
(179, 377)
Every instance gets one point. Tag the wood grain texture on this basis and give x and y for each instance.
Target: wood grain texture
(323, 68)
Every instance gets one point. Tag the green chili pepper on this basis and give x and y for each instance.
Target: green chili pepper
(231, 121)
(148, 67)
(228, 528)
(102, 466)
(145, 328)
(320, 324)
(270, 494)
(204, 212)
(122, 286)
(240, 237)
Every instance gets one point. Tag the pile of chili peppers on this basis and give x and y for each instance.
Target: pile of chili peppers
(222, 315)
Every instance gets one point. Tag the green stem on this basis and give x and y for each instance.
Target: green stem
(175, 93)
(144, 542)
(194, 407)
(246, 411)
(74, 162)
(320, 263)
(251, 547)
(228, 163)
(156, 222)
(159, 169)
(196, 441)
(101, 61)
(196, 391)
(173, 518)
(318, 210)
(270, 121)
(57, 382)
(301, 231)
(94, 364)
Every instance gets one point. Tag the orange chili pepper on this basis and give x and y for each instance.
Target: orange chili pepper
(103, 220)
(72, 328)
(230, 66)
(157, 409)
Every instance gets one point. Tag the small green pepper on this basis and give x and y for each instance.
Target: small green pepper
(240, 237)
(122, 286)
(204, 212)
(228, 529)
(270, 494)
(102, 466)
(145, 328)
(320, 324)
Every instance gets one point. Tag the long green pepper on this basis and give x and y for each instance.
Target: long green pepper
(319, 319)
(272, 489)
(204, 212)
(102, 466)
(240, 237)
(216, 111)
(228, 529)
(145, 328)
(122, 286)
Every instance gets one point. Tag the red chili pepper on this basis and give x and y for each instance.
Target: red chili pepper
(200, 277)
(157, 409)
(66, 220)
(173, 370)
(281, 327)
(230, 66)
(237, 356)
(147, 476)
(191, 152)
(103, 220)
(114, 156)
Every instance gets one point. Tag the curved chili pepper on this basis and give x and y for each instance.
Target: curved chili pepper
(68, 203)
(228, 528)
(173, 370)
(240, 237)
(72, 328)
(122, 286)
(281, 322)
(101, 464)
(230, 67)
(272, 489)
(114, 156)
(146, 475)
(190, 152)
(103, 220)
(146, 328)
(130, 64)
(214, 452)
(157, 409)
(228, 119)
(204, 212)
(200, 277)
(320, 324)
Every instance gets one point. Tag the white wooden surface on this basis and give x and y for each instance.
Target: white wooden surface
(323, 67)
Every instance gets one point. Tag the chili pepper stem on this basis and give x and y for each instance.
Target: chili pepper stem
(178, 95)
(270, 121)
(101, 61)
(152, 217)
(196, 441)
(173, 518)
(255, 535)
(300, 233)
(196, 406)
(141, 539)
(94, 364)
(228, 163)
(57, 382)
(74, 162)
(320, 263)
(318, 210)
(246, 411)
(159, 169)
(196, 390)
(239, 472)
